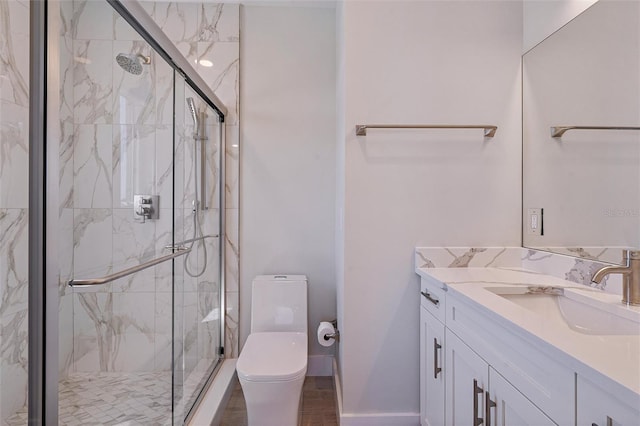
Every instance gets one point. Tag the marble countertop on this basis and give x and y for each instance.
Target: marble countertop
(616, 357)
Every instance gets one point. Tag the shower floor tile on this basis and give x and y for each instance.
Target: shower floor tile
(121, 399)
(318, 404)
(116, 398)
(131, 399)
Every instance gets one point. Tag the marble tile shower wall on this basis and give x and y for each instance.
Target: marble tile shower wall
(121, 135)
(14, 164)
(208, 35)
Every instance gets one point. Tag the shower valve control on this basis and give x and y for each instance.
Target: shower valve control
(146, 207)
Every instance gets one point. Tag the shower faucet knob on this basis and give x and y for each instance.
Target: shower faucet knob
(146, 207)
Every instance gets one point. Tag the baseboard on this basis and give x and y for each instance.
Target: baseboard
(371, 419)
(320, 365)
(337, 385)
(211, 408)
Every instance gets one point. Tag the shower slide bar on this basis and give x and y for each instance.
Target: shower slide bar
(489, 130)
(98, 281)
(558, 131)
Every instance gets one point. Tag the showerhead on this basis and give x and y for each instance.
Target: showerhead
(194, 115)
(132, 63)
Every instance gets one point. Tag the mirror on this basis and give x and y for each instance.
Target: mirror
(581, 190)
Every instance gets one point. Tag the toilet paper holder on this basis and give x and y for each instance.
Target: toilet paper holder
(336, 335)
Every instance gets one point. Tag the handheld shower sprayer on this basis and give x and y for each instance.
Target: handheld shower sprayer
(194, 116)
(199, 134)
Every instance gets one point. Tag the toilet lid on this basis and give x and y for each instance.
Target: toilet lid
(273, 356)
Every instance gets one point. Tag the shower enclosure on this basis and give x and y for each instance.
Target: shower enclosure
(133, 225)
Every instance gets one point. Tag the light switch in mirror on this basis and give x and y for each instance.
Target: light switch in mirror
(587, 74)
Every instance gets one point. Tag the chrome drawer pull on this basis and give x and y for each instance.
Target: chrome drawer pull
(430, 298)
(436, 347)
(477, 390)
(489, 404)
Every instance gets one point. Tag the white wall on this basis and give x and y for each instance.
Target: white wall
(419, 62)
(543, 17)
(288, 154)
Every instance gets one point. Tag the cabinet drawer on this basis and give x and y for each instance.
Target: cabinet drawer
(432, 298)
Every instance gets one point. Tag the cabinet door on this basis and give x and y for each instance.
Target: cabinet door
(466, 379)
(505, 405)
(431, 370)
(598, 407)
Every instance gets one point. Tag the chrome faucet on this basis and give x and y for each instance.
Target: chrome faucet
(630, 276)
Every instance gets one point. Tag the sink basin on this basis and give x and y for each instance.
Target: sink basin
(585, 312)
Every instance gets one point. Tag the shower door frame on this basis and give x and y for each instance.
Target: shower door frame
(43, 193)
(42, 280)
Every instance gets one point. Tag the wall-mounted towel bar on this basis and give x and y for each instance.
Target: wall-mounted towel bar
(558, 131)
(98, 281)
(489, 131)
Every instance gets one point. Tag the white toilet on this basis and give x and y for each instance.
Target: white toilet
(273, 362)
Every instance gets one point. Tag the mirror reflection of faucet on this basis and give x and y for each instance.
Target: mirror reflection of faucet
(146, 207)
(630, 271)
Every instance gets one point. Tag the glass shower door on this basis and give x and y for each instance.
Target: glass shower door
(116, 213)
(197, 295)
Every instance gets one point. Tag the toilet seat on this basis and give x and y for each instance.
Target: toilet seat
(273, 357)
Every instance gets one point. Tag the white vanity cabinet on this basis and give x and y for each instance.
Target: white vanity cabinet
(461, 362)
(432, 340)
(467, 375)
(510, 406)
(478, 395)
(602, 407)
(490, 361)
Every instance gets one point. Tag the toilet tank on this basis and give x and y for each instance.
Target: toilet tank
(279, 303)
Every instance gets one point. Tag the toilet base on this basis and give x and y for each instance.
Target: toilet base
(273, 403)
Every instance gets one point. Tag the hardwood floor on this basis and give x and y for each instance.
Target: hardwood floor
(318, 404)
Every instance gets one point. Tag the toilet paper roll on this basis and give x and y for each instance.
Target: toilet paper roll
(323, 329)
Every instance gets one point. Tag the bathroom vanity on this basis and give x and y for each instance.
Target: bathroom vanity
(507, 346)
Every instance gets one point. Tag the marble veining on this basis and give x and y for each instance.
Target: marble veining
(218, 22)
(14, 155)
(14, 62)
(462, 257)
(232, 162)
(93, 83)
(13, 261)
(92, 166)
(575, 269)
(13, 362)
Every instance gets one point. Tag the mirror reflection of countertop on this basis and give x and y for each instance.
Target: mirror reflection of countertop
(602, 352)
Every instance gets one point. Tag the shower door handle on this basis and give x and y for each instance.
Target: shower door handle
(88, 282)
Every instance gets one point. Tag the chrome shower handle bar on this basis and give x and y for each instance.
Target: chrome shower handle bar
(89, 282)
